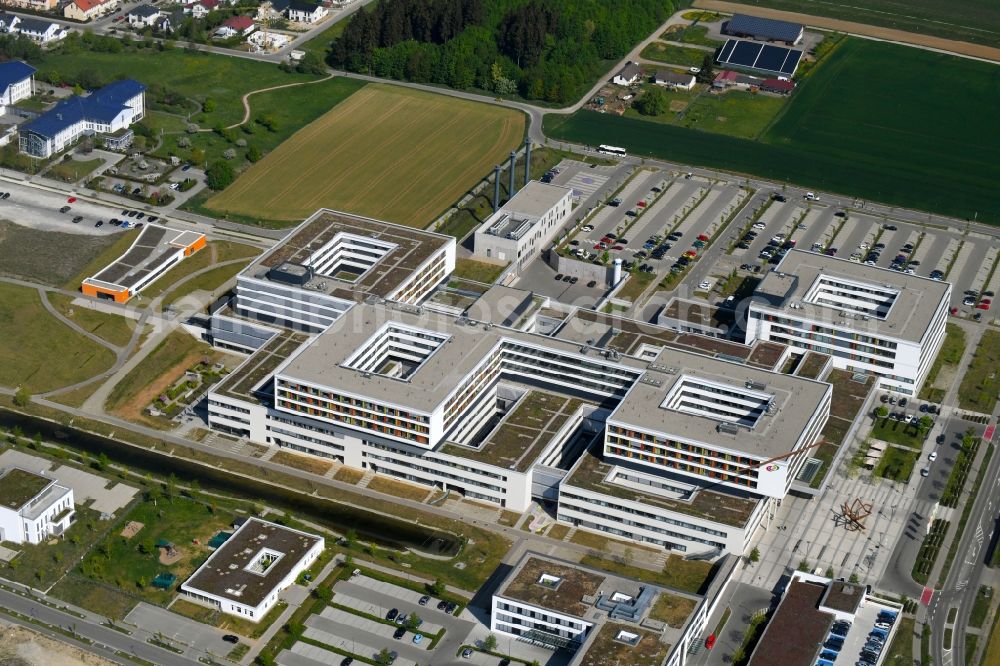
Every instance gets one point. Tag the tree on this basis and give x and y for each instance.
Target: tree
(219, 175)
(22, 397)
(925, 423)
(155, 493)
(253, 153)
(228, 153)
(755, 555)
(208, 106)
(436, 588)
(413, 621)
(881, 411)
(490, 643)
(853, 578)
(172, 486)
(383, 658)
(103, 462)
(310, 63)
(323, 593)
(653, 102)
(707, 73)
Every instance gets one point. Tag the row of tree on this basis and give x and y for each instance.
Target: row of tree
(541, 49)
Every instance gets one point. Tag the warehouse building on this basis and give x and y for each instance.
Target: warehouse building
(763, 29)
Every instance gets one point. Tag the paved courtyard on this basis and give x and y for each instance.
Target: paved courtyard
(108, 497)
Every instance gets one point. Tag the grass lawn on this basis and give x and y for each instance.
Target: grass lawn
(976, 21)
(900, 651)
(213, 253)
(981, 381)
(672, 609)
(695, 34)
(478, 271)
(291, 108)
(209, 281)
(158, 370)
(674, 55)
(897, 432)
(39, 352)
(70, 171)
(194, 75)
(115, 329)
(132, 564)
(97, 597)
(992, 653)
(43, 564)
(637, 283)
(225, 621)
(162, 121)
(892, 157)
(737, 113)
(402, 489)
(391, 153)
(981, 607)
(950, 354)
(678, 573)
(305, 463)
(897, 464)
(348, 475)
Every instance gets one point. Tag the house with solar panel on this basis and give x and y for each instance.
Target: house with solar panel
(763, 29)
(107, 113)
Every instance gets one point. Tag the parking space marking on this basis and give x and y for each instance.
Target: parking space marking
(585, 184)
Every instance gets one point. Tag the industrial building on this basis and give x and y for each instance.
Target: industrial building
(523, 226)
(869, 320)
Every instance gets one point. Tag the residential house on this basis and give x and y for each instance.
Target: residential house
(143, 16)
(628, 74)
(300, 11)
(777, 86)
(270, 10)
(671, 79)
(87, 10)
(202, 8)
(168, 23)
(267, 40)
(107, 113)
(235, 26)
(17, 82)
(40, 30)
(731, 79)
(33, 507)
(35, 5)
(9, 22)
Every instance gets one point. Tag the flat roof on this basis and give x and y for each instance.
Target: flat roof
(591, 473)
(259, 365)
(152, 248)
(19, 486)
(697, 312)
(224, 574)
(794, 401)
(916, 300)
(503, 306)
(794, 633)
(604, 648)
(844, 597)
(520, 437)
(564, 595)
(322, 361)
(412, 248)
(536, 198)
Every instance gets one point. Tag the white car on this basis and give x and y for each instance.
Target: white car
(760, 225)
(587, 227)
(705, 285)
(926, 471)
(810, 196)
(933, 456)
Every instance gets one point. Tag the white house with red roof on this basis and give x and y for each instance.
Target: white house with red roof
(86, 10)
(235, 25)
(202, 8)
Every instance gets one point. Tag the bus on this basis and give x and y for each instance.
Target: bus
(611, 150)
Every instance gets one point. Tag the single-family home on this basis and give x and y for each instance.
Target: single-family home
(107, 113)
(40, 30)
(671, 79)
(33, 507)
(202, 8)
(8, 22)
(628, 74)
(235, 26)
(731, 79)
(268, 40)
(87, 10)
(169, 22)
(301, 11)
(17, 82)
(143, 16)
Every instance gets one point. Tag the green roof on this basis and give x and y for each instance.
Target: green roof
(18, 487)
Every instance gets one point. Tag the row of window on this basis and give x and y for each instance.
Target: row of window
(579, 503)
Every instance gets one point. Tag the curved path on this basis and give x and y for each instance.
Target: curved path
(246, 99)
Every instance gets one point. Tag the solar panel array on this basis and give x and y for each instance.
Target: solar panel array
(777, 60)
(764, 28)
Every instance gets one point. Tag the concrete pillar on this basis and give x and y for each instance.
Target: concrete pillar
(510, 180)
(527, 160)
(496, 188)
(616, 272)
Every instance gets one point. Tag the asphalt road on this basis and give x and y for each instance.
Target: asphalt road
(105, 640)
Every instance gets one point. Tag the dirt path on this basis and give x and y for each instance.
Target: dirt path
(246, 99)
(888, 34)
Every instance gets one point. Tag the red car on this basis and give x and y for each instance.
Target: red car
(641, 204)
(710, 641)
(985, 300)
(71, 200)
(954, 311)
(618, 247)
(703, 238)
(983, 306)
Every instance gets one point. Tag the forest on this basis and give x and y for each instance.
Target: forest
(549, 50)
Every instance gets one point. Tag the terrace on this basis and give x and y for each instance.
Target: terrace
(553, 586)
(517, 441)
(615, 644)
(591, 473)
(811, 366)
(18, 487)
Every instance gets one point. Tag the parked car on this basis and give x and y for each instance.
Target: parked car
(231, 638)
(71, 200)
(399, 633)
(559, 276)
(423, 600)
(64, 209)
(467, 653)
(592, 284)
(392, 614)
(417, 639)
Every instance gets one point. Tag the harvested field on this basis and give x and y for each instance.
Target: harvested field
(391, 153)
(49, 257)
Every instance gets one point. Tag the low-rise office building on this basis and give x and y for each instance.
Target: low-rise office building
(525, 225)
(245, 575)
(33, 507)
(869, 320)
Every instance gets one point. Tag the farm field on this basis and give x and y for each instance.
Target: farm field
(901, 151)
(976, 21)
(736, 112)
(386, 152)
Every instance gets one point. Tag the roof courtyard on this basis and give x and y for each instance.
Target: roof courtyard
(615, 644)
(19, 486)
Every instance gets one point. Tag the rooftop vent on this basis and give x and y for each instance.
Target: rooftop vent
(728, 428)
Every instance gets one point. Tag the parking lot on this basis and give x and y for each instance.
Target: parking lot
(349, 625)
(198, 636)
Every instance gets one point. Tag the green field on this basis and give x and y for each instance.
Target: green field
(39, 352)
(981, 383)
(387, 152)
(975, 21)
(674, 55)
(735, 112)
(920, 138)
